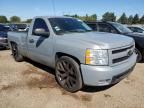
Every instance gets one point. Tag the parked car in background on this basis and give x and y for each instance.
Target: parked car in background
(79, 55)
(19, 26)
(136, 29)
(117, 28)
(3, 36)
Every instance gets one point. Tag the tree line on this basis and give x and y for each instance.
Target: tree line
(13, 19)
(108, 16)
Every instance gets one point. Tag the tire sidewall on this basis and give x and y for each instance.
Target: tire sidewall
(19, 57)
(139, 57)
(76, 67)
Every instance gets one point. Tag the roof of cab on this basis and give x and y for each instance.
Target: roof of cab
(52, 17)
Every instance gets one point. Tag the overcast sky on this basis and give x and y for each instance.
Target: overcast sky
(30, 8)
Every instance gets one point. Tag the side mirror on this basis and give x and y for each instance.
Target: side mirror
(41, 32)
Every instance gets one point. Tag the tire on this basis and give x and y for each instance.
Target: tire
(68, 74)
(143, 56)
(139, 55)
(16, 55)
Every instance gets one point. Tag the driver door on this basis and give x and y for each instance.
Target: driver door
(40, 48)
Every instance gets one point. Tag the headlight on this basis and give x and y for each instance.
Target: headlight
(96, 57)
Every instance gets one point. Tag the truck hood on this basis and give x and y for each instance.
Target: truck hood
(101, 40)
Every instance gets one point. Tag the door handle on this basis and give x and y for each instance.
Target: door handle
(31, 41)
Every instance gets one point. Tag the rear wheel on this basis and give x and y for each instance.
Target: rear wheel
(139, 55)
(16, 55)
(68, 74)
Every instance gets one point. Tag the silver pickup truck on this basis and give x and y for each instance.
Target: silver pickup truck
(78, 55)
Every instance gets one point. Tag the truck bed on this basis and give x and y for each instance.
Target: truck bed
(17, 36)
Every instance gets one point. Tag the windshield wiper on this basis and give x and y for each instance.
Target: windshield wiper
(89, 30)
(73, 31)
(77, 30)
(80, 31)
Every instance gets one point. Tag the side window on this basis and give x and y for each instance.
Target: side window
(131, 28)
(40, 24)
(93, 26)
(134, 29)
(106, 28)
(139, 30)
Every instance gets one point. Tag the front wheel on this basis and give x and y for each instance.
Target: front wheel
(139, 55)
(68, 74)
(16, 55)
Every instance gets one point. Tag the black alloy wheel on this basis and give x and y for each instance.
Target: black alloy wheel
(18, 57)
(68, 74)
(139, 55)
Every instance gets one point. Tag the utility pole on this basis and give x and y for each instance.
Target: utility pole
(53, 5)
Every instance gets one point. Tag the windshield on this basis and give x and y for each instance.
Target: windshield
(68, 25)
(121, 28)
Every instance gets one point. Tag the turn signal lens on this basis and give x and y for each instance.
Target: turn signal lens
(96, 57)
(88, 56)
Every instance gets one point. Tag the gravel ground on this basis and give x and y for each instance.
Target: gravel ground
(31, 85)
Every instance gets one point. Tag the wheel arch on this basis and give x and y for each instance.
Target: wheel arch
(60, 54)
(12, 42)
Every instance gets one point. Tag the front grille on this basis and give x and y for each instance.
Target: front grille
(122, 54)
(120, 59)
(121, 50)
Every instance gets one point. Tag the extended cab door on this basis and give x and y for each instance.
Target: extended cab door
(40, 46)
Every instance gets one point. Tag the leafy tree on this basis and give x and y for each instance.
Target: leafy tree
(109, 16)
(67, 15)
(93, 17)
(15, 19)
(76, 16)
(130, 19)
(28, 21)
(86, 17)
(123, 19)
(142, 20)
(3, 19)
(136, 19)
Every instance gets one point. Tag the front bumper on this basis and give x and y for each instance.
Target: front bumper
(106, 75)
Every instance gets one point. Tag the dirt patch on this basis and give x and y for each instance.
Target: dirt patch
(107, 96)
(86, 97)
(129, 80)
(6, 87)
(11, 87)
(82, 97)
(69, 94)
(39, 79)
